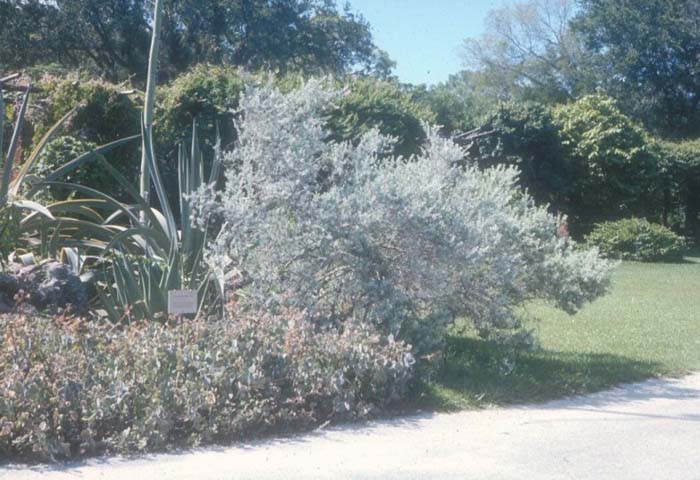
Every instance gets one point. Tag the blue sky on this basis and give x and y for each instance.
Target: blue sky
(424, 37)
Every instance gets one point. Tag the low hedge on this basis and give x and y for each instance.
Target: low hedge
(70, 388)
(637, 239)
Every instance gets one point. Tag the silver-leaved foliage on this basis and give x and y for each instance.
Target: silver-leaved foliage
(344, 233)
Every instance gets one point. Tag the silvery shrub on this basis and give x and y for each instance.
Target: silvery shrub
(345, 233)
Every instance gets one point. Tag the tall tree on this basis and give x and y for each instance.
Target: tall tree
(529, 48)
(111, 37)
(273, 34)
(465, 100)
(24, 28)
(651, 51)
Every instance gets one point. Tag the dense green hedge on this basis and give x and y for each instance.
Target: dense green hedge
(369, 103)
(527, 136)
(637, 239)
(585, 159)
(208, 94)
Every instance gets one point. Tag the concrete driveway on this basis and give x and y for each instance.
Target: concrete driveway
(641, 431)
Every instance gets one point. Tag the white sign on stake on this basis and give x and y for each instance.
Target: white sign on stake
(182, 302)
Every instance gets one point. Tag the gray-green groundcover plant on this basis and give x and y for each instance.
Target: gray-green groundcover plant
(347, 235)
(70, 388)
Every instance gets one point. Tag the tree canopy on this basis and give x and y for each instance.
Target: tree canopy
(529, 48)
(111, 37)
(650, 53)
(642, 54)
(464, 101)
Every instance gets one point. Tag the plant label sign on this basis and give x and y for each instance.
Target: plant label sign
(181, 302)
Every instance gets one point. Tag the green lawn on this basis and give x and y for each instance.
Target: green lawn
(649, 325)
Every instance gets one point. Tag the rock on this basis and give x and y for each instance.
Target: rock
(9, 286)
(8, 283)
(6, 307)
(49, 285)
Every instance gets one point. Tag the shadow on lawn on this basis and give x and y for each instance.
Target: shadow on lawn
(475, 373)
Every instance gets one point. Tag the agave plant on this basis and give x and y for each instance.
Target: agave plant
(23, 220)
(9, 184)
(170, 259)
(152, 256)
(139, 248)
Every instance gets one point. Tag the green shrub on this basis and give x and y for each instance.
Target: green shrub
(104, 113)
(369, 103)
(637, 239)
(678, 185)
(207, 93)
(70, 389)
(463, 102)
(611, 162)
(61, 151)
(526, 135)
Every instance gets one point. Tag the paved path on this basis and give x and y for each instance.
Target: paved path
(642, 431)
